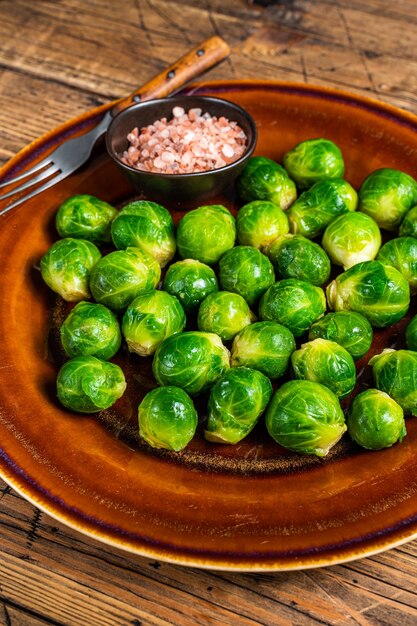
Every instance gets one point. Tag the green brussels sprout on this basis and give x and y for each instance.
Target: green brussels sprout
(224, 314)
(122, 275)
(401, 253)
(352, 238)
(387, 195)
(395, 372)
(206, 233)
(318, 206)
(145, 225)
(326, 362)
(314, 160)
(264, 179)
(190, 281)
(149, 319)
(246, 271)
(306, 417)
(295, 256)
(294, 303)
(263, 346)
(375, 420)
(347, 328)
(377, 291)
(167, 418)
(259, 223)
(235, 404)
(408, 227)
(67, 265)
(91, 330)
(191, 360)
(86, 384)
(411, 334)
(85, 217)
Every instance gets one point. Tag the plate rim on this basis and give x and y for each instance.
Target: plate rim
(367, 102)
(31, 491)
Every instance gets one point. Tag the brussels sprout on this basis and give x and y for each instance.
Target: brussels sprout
(375, 420)
(191, 360)
(264, 179)
(401, 253)
(263, 346)
(347, 328)
(145, 225)
(314, 160)
(236, 402)
(326, 362)
(294, 303)
(411, 334)
(190, 281)
(319, 205)
(306, 417)
(295, 256)
(377, 291)
(85, 217)
(246, 271)
(91, 330)
(206, 233)
(387, 195)
(167, 418)
(87, 385)
(224, 314)
(67, 265)
(122, 275)
(409, 224)
(259, 223)
(149, 319)
(395, 372)
(352, 238)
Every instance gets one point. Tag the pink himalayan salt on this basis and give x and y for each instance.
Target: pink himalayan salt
(189, 142)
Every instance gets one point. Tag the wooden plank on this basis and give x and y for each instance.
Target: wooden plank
(12, 615)
(20, 96)
(156, 584)
(319, 43)
(33, 545)
(58, 59)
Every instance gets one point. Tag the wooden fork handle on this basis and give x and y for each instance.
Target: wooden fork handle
(196, 62)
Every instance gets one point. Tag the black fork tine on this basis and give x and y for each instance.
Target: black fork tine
(35, 192)
(36, 179)
(30, 172)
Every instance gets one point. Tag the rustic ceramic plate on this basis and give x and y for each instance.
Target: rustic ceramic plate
(252, 506)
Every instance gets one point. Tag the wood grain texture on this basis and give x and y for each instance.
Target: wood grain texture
(49, 571)
(60, 58)
(89, 52)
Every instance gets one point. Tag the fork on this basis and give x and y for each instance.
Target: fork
(73, 153)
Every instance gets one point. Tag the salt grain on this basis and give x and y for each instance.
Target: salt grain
(159, 163)
(168, 157)
(189, 142)
(228, 151)
(189, 136)
(176, 112)
(133, 135)
(133, 153)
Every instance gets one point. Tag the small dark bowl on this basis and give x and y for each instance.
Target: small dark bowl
(177, 188)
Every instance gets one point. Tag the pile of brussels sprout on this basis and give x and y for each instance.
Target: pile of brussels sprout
(263, 313)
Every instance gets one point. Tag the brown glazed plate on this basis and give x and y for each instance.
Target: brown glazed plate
(253, 506)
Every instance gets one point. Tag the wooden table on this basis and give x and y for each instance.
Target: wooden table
(59, 59)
